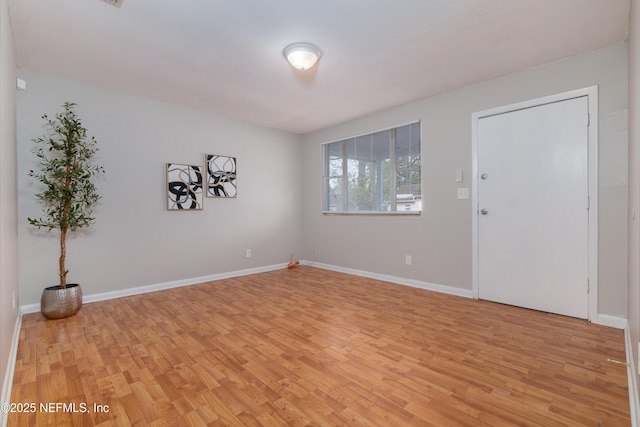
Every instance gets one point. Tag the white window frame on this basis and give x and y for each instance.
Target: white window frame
(392, 184)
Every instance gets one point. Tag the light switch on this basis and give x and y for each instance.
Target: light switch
(463, 193)
(458, 175)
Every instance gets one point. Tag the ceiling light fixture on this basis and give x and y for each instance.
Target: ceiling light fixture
(302, 55)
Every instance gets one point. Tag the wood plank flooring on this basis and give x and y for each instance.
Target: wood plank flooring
(311, 347)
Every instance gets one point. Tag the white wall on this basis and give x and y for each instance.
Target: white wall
(8, 199)
(135, 240)
(440, 239)
(634, 179)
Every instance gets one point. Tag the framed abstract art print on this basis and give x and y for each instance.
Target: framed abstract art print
(184, 187)
(221, 176)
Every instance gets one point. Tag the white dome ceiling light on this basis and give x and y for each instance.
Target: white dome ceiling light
(302, 55)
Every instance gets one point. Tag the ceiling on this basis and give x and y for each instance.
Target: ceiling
(225, 56)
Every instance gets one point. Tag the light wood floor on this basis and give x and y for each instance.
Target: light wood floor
(310, 347)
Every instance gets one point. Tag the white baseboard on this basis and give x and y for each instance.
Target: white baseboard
(11, 365)
(445, 289)
(617, 322)
(634, 402)
(86, 299)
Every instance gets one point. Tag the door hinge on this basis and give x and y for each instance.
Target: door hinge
(588, 202)
(588, 285)
(588, 119)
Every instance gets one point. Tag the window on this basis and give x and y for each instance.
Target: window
(377, 172)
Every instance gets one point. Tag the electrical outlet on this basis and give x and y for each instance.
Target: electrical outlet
(407, 259)
(248, 253)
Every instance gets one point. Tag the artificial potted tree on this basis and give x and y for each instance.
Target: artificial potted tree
(67, 168)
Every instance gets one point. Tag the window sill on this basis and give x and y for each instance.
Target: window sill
(374, 213)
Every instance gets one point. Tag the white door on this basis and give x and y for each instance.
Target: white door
(532, 194)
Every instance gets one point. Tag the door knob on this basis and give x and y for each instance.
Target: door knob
(484, 211)
(484, 176)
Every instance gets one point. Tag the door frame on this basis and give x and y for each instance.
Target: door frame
(592, 159)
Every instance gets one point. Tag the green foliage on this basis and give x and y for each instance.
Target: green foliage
(66, 167)
(66, 160)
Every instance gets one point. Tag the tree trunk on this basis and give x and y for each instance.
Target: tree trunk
(65, 224)
(63, 257)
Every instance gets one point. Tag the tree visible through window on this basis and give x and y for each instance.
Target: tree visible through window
(377, 172)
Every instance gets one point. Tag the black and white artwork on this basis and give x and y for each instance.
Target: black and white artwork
(221, 176)
(184, 187)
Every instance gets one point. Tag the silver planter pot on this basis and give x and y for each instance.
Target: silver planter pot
(59, 303)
